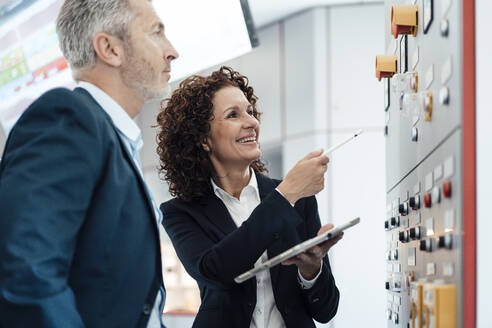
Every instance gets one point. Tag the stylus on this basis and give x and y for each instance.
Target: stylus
(332, 149)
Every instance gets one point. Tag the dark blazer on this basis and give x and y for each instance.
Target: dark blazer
(213, 251)
(79, 244)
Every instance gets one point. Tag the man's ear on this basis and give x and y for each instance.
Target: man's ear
(109, 49)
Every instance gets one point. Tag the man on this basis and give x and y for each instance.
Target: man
(79, 242)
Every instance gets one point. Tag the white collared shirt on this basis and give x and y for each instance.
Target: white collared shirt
(265, 314)
(130, 134)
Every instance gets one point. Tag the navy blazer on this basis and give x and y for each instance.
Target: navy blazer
(79, 244)
(214, 251)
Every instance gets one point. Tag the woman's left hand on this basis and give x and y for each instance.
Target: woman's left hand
(309, 262)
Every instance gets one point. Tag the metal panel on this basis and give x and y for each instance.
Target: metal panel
(431, 157)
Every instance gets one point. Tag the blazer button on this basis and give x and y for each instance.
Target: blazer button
(276, 235)
(147, 309)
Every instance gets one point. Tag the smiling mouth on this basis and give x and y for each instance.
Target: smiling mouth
(247, 139)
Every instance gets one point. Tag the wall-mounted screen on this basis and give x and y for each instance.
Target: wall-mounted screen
(30, 60)
(206, 33)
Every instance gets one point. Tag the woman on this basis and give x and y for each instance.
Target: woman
(227, 216)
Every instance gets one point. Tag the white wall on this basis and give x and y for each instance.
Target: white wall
(358, 170)
(484, 161)
(306, 90)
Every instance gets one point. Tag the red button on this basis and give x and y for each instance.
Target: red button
(427, 200)
(446, 189)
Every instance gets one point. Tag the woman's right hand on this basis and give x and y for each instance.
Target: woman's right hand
(306, 178)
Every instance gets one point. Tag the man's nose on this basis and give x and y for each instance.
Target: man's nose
(171, 53)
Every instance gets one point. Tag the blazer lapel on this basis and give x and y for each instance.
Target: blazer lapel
(140, 179)
(217, 214)
(265, 187)
(128, 156)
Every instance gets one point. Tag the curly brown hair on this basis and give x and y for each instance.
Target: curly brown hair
(184, 123)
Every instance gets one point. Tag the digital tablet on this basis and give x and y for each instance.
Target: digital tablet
(299, 248)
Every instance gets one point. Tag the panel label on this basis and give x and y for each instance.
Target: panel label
(428, 181)
(449, 167)
(429, 76)
(447, 70)
(411, 256)
(438, 173)
(449, 222)
(415, 58)
(431, 269)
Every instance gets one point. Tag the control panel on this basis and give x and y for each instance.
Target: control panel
(422, 75)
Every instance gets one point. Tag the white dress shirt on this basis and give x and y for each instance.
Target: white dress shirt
(265, 314)
(130, 134)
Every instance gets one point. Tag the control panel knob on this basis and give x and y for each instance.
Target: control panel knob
(423, 245)
(446, 189)
(403, 209)
(403, 236)
(395, 318)
(428, 106)
(414, 202)
(386, 225)
(444, 96)
(393, 222)
(387, 285)
(385, 66)
(415, 134)
(444, 28)
(436, 194)
(427, 200)
(404, 20)
(414, 82)
(394, 255)
(426, 245)
(415, 233)
(446, 241)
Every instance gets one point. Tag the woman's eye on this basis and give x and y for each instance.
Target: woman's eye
(231, 115)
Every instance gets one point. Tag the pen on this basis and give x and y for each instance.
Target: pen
(332, 149)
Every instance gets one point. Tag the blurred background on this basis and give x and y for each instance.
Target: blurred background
(311, 63)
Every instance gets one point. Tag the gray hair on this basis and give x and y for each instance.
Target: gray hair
(79, 21)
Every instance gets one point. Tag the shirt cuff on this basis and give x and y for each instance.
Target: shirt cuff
(307, 284)
(283, 195)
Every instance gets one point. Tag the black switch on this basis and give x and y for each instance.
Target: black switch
(403, 209)
(426, 245)
(403, 236)
(414, 202)
(393, 221)
(386, 225)
(387, 285)
(441, 242)
(445, 241)
(423, 245)
(415, 233)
